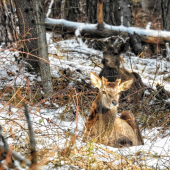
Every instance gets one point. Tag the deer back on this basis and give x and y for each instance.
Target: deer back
(130, 119)
(123, 129)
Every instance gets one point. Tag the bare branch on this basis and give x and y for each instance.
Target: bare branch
(49, 8)
(31, 135)
(90, 30)
(5, 148)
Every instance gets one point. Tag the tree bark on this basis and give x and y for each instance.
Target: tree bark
(110, 12)
(114, 13)
(125, 11)
(152, 6)
(8, 32)
(165, 5)
(27, 27)
(42, 48)
(72, 10)
(100, 15)
(56, 9)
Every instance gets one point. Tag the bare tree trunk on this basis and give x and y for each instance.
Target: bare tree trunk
(8, 32)
(56, 9)
(153, 6)
(110, 11)
(100, 15)
(27, 27)
(125, 11)
(72, 10)
(42, 48)
(165, 5)
(114, 12)
(31, 18)
(75, 10)
(91, 11)
(63, 3)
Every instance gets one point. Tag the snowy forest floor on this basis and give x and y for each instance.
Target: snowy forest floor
(54, 118)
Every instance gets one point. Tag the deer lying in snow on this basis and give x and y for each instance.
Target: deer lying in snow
(112, 71)
(103, 125)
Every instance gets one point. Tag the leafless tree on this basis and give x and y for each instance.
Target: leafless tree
(7, 22)
(31, 24)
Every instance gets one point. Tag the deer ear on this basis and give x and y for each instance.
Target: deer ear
(95, 80)
(126, 84)
(118, 81)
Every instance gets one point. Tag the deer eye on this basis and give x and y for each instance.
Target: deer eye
(103, 92)
(119, 93)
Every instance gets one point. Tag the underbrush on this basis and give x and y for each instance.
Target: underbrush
(58, 120)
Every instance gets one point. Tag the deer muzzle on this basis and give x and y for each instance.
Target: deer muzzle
(104, 61)
(114, 103)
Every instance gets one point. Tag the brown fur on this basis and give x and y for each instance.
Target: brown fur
(130, 119)
(112, 71)
(103, 125)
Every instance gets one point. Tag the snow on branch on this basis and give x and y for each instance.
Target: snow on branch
(90, 30)
(167, 51)
(49, 9)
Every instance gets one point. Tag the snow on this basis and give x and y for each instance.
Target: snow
(49, 9)
(148, 25)
(167, 51)
(75, 54)
(130, 30)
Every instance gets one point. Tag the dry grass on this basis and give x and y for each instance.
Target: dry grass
(57, 145)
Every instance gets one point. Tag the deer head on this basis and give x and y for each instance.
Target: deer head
(109, 91)
(111, 59)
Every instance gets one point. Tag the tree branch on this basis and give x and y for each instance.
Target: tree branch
(90, 30)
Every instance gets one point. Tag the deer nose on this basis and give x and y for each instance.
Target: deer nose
(104, 61)
(114, 103)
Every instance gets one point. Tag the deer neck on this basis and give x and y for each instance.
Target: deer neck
(100, 109)
(106, 118)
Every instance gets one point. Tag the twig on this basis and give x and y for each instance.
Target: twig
(32, 139)
(4, 147)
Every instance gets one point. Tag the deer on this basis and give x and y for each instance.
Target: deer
(112, 71)
(103, 125)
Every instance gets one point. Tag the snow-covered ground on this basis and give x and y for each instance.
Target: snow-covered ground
(53, 134)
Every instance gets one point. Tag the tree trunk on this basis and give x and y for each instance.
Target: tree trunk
(152, 6)
(63, 3)
(100, 15)
(42, 48)
(31, 24)
(114, 13)
(125, 12)
(27, 27)
(165, 5)
(8, 32)
(72, 10)
(110, 12)
(56, 9)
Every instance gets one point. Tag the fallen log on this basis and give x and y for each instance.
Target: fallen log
(90, 30)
